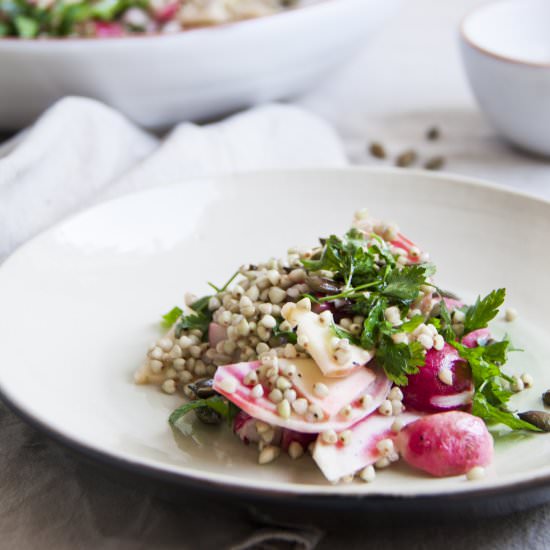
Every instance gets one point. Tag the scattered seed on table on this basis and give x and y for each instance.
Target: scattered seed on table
(406, 158)
(434, 163)
(546, 398)
(377, 150)
(433, 133)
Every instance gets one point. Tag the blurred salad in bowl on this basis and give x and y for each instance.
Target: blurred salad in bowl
(112, 18)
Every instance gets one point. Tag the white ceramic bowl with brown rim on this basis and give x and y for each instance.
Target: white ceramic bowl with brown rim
(158, 80)
(506, 51)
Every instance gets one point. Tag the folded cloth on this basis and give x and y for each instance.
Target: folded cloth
(80, 152)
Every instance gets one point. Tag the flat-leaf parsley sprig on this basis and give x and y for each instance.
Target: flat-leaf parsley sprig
(375, 281)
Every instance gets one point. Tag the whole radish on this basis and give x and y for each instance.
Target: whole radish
(443, 383)
(446, 444)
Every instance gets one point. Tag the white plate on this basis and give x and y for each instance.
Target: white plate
(196, 74)
(81, 303)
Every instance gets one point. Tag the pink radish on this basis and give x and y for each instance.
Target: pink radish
(245, 427)
(167, 12)
(105, 29)
(216, 333)
(446, 444)
(472, 339)
(427, 392)
(452, 304)
(229, 381)
(338, 460)
(407, 245)
(303, 439)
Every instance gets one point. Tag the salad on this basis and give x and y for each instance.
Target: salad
(349, 351)
(111, 18)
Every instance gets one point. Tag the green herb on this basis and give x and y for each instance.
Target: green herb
(373, 282)
(171, 317)
(443, 322)
(285, 335)
(411, 325)
(194, 321)
(373, 321)
(226, 285)
(341, 333)
(404, 285)
(491, 385)
(495, 415)
(26, 27)
(484, 310)
(399, 360)
(217, 403)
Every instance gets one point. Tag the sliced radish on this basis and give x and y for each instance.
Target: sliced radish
(453, 304)
(317, 336)
(338, 460)
(407, 245)
(341, 391)
(472, 339)
(229, 381)
(108, 29)
(216, 333)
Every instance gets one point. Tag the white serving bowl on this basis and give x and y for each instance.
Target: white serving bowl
(192, 75)
(506, 51)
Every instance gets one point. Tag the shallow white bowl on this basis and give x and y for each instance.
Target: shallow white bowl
(196, 74)
(506, 51)
(81, 303)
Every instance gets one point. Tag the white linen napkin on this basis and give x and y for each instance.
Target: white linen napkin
(81, 151)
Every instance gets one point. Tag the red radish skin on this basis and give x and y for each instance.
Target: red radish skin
(263, 409)
(216, 333)
(168, 12)
(337, 461)
(406, 244)
(425, 392)
(244, 426)
(452, 304)
(446, 444)
(105, 29)
(471, 340)
(303, 439)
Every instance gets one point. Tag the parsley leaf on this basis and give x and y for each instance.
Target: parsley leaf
(491, 389)
(198, 321)
(171, 317)
(217, 403)
(493, 415)
(341, 333)
(411, 324)
(286, 335)
(399, 360)
(484, 310)
(404, 285)
(372, 324)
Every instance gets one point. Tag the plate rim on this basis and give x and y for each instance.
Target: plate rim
(229, 484)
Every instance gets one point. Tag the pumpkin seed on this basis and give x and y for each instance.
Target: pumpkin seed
(434, 163)
(540, 419)
(406, 158)
(433, 133)
(377, 150)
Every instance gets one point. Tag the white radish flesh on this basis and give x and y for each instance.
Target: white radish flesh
(338, 460)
